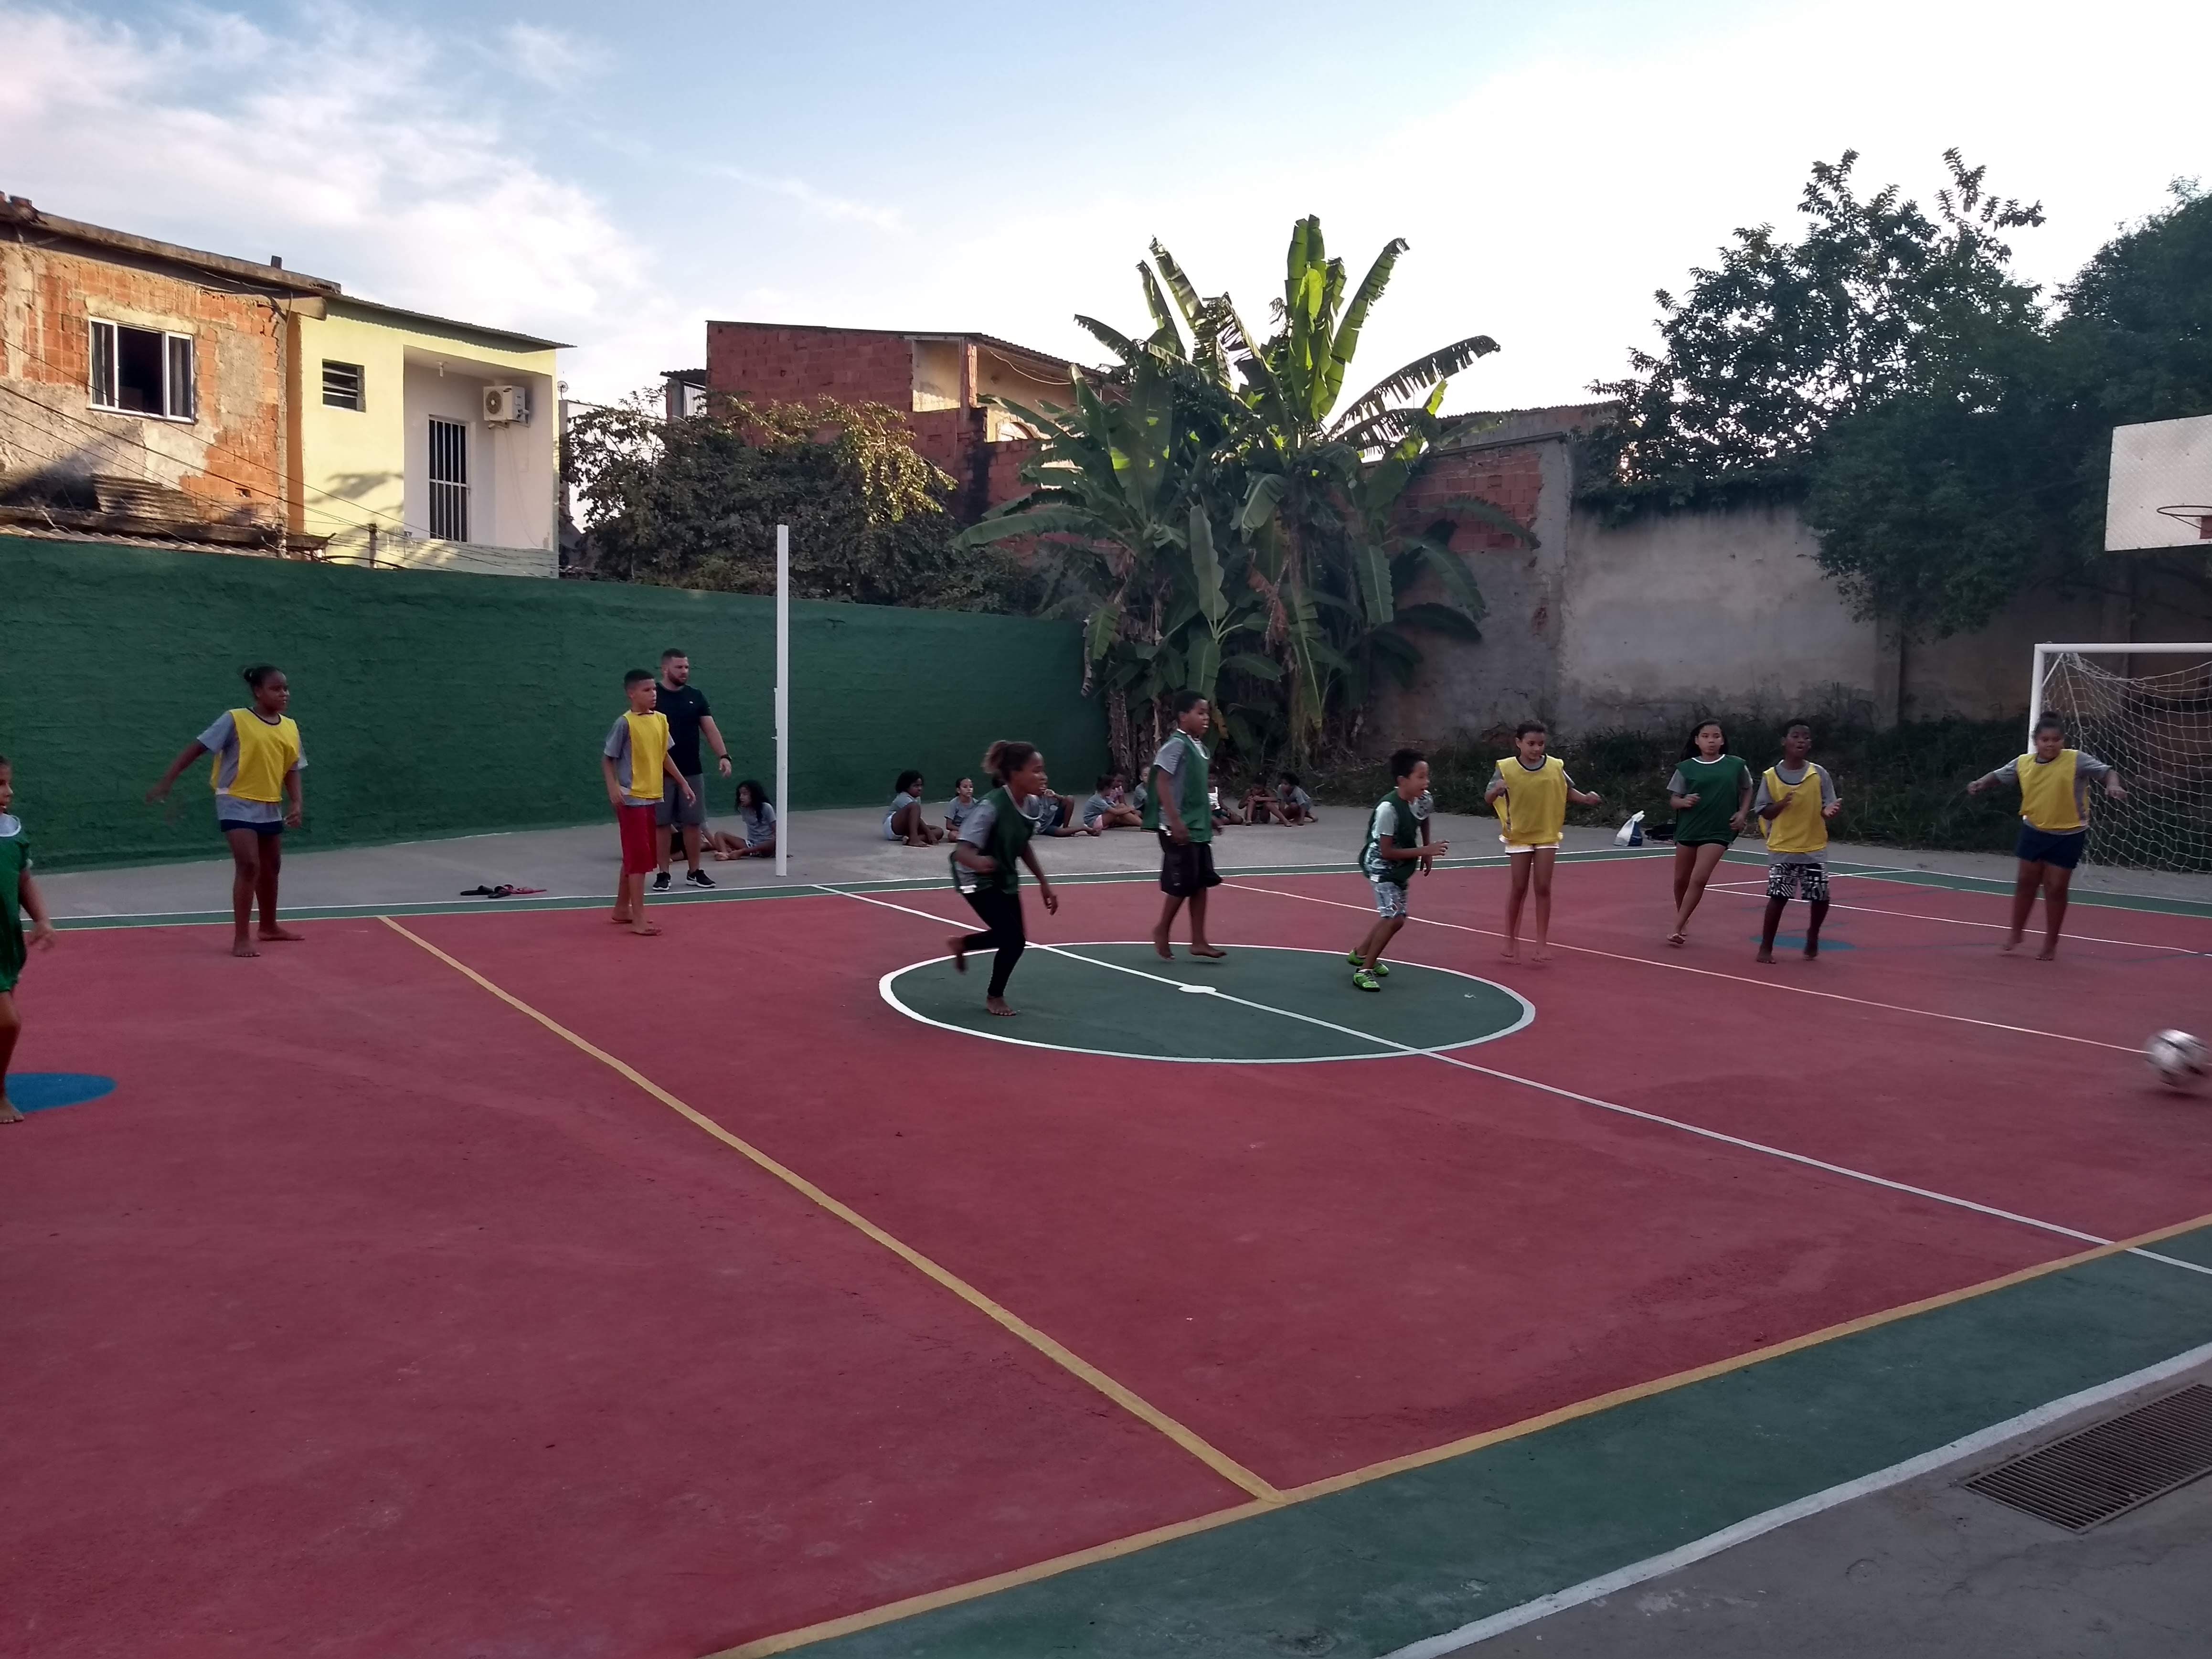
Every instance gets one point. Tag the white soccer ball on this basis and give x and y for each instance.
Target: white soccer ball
(2178, 1057)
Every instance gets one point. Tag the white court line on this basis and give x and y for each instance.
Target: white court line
(1698, 1130)
(1714, 973)
(1591, 1589)
(1758, 889)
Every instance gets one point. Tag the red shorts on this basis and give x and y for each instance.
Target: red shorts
(641, 844)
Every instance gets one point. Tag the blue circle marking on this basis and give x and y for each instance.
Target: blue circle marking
(1796, 942)
(42, 1092)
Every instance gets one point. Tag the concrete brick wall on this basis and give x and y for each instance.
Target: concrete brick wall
(228, 460)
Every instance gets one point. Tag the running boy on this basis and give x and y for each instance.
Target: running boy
(18, 893)
(634, 761)
(1794, 811)
(1395, 847)
(1178, 804)
(1532, 789)
(2054, 824)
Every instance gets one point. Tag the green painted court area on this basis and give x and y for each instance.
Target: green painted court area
(1257, 1005)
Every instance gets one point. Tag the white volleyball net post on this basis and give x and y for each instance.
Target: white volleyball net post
(782, 698)
(2146, 709)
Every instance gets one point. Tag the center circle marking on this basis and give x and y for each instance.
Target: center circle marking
(1272, 1005)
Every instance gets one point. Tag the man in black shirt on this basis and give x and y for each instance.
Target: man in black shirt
(688, 716)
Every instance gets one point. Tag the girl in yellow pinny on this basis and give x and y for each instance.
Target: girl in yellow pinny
(1531, 790)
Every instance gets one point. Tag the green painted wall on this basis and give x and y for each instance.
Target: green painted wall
(434, 704)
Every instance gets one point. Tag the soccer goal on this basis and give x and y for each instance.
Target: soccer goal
(2146, 709)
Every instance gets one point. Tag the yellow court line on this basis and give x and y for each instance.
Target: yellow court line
(975, 1589)
(1711, 973)
(1219, 1461)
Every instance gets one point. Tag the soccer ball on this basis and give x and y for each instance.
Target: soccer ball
(2178, 1057)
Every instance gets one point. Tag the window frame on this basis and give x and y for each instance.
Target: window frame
(454, 503)
(103, 372)
(360, 373)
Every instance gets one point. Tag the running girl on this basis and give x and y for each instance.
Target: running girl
(258, 760)
(19, 895)
(1711, 791)
(1531, 790)
(2054, 824)
(995, 834)
(1796, 800)
(1395, 847)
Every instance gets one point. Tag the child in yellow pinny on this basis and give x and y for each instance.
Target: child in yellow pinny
(1530, 790)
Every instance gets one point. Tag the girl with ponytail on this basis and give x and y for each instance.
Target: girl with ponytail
(996, 834)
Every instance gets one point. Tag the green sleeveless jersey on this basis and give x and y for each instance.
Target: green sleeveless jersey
(1394, 817)
(1193, 789)
(1011, 832)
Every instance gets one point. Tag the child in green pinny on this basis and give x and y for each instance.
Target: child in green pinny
(18, 893)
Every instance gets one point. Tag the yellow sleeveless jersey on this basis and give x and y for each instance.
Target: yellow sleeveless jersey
(266, 754)
(648, 754)
(1533, 810)
(1798, 827)
(2048, 798)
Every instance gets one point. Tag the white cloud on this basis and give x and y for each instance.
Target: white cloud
(546, 56)
(838, 210)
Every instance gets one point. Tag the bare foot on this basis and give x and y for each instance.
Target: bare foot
(645, 929)
(283, 935)
(2048, 953)
(9, 1113)
(1160, 943)
(621, 918)
(1542, 953)
(1812, 949)
(1198, 950)
(1677, 938)
(1510, 953)
(998, 1005)
(958, 946)
(2010, 945)
(1766, 955)
(243, 947)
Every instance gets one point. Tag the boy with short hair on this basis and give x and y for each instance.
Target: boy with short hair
(1394, 849)
(1795, 800)
(18, 893)
(1531, 789)
(1178, 805)
(1109, 807)
(2054, 824)
(634, 761)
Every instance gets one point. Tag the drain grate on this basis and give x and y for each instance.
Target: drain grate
(2107, 1470)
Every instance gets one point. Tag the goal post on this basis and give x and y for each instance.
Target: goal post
(2149, 716)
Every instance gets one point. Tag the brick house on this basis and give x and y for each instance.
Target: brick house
(938, 381)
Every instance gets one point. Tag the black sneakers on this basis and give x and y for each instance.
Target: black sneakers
(697, 879)
(661, 882)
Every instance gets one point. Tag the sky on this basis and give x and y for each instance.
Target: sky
(613, 178)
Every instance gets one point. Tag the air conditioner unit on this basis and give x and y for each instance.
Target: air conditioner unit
(506, 404)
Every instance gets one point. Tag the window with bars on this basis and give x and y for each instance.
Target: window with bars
(142, 371)
(449, 480)
(341, 385)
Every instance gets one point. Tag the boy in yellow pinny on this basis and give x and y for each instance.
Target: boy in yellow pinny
(1796, 800)
(2054, 824)
(1531, 790)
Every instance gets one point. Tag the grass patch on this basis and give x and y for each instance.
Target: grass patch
(1905, 786)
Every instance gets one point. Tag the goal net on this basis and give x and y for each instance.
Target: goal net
(2148, 711)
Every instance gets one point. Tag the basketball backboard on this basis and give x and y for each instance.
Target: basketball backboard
(2161, 494)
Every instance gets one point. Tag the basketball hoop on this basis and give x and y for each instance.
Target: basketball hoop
(2201, 514)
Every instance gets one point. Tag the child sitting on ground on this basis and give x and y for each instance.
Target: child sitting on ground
(904, 820)
(1109, 808)
(755, 837)
(1224, 814)
(957, 809)
(1286, 803)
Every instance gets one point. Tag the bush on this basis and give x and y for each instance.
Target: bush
(1901, 788)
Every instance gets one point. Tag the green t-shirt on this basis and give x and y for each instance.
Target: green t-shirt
(1718, 786)
(14, 859)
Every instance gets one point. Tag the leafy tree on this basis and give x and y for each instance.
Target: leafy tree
(694, 502)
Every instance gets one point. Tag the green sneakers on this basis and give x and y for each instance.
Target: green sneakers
(1365, 981)
(1382, 970)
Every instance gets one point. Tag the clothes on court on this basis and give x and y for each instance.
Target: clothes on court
(1804, 878)
(15, 863)
(683, 707)
(1186, 871)
(2054, 794)
(955, 813)
(676, 810)
(759, 823)
(900, 802)
(2063, 848)
(1392, 822)
(640, 846)
(252, 758)
(638, 745)
(1183, 759)
(1718, 785)
(267, 829)
(1799, 833)
(1533, 810)
(1389, 898)
(999, 828)
(1001, 914)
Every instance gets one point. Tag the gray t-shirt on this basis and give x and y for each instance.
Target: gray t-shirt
(1794, 775)
(1169, 759)
(221, 740)
(2088, 770)
(1099, 805)
(759, 823)
(957, 811)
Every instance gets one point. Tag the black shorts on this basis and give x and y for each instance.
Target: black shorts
(1187, 869)
(264, 827)
(2042, 846)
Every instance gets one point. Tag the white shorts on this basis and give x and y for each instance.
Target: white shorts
(1389, 898)
(1523, 847)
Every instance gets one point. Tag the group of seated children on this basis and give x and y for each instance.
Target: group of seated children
(1112, 805)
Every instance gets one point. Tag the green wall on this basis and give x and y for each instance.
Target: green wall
(433, 704)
